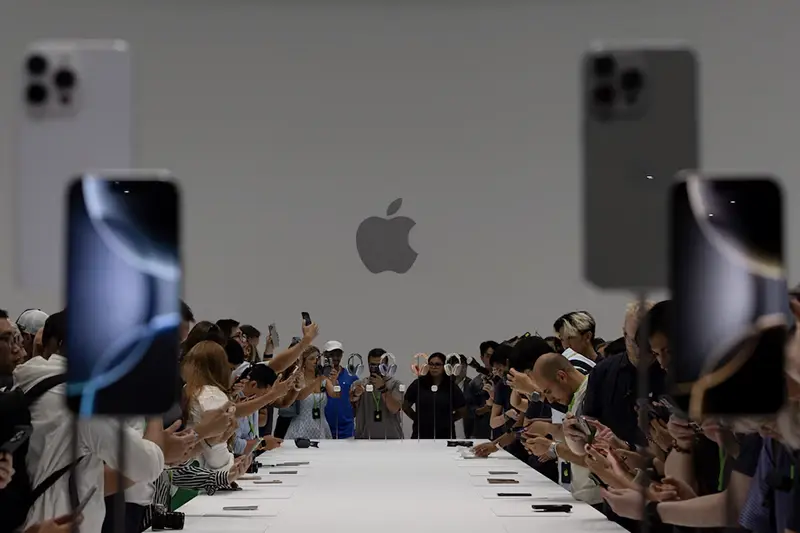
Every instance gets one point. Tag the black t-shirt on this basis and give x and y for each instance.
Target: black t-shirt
(749, 452)
(434, 409)
(502, 397)
(793, 523)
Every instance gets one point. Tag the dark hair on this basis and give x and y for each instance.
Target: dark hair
(376, 352)
(501, 355)
(658, 320)
(3, 314)
(527, 352)
(250, 331)
(555, 343)
(427, 379)
(616, 346)
(203, 331)
(186, 312)
(235, 352)
(485, 345)
(262, 374)
(227, 325)
(598, 341)
(55, 327)
(576, 321)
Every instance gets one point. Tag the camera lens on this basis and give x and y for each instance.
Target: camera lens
(604, 95)
(36, 65)
(632, 80)
(36, 94)
(604, 66)
(65, 79)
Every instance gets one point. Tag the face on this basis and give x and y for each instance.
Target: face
(629, 333)
(499, 369)
(27, 344)
(7, 363)
(436, 366)
(18, 353)
(38, 347)
(311, 362)
(557, 390)
(374, 364)
(486, 357)
(237, 334)
(253, 341)
(335, 358)
(251, 388)
(659, 346)
(579, 343)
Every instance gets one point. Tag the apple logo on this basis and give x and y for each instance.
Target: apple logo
(382, 243)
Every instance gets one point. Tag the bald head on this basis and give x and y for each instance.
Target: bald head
(548, 365)
(557, 378)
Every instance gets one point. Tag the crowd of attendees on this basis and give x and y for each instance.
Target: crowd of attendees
(570, 405)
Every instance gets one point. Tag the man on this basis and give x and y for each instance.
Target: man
(256, 380)
(29, 324)
(476, 395)
(562, 383)
(613, 384)
(51, 445)
(187, 321)
(502, 412)
(52, 334)
(339, 411)
(576, 331)
(236, 359)
(378, 412)
(253, 337)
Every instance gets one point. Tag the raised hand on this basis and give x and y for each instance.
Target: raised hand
(178, 445)
(310, 332)
(520, 382)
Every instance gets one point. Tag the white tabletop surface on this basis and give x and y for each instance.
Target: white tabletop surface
(390, 486)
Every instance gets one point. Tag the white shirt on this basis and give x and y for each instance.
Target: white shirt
(583, 488)
(140, 493)
(50, 448)
(216, 457)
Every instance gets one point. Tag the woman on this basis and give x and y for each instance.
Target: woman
(207, 375)
(287, 409)
(202, 331)
(434, 414)
(310, 422)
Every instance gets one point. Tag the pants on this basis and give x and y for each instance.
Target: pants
(134, 517)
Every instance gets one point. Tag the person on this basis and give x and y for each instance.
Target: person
(612, 392)
(236, 358)
(503, 414)
(338, 410)
(310, 421)
(476, 396)
(202, 331)
(29, 323)
(433, 402)
(187, 321)
(562, 383)
(253, 337)
(377, 412)
(255, 380)
(50, 446)
(8, 354)
(207, 375)
(231, 330)
(6, 469)
(576, 331)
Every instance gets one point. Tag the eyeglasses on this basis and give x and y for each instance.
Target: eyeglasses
(435, 365)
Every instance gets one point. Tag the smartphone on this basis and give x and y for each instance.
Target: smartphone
(295, 463)
(295, 341)
(268, 482)
(283, 472)
(241, 508)
(730, 297)
(76, 112)
(552, 508)
(273, 333)
(514, 494)
(306, 319)
(640, 127)
(498, 473)
(123, 287)
(84, 502)
(498, 481)
(19, 436)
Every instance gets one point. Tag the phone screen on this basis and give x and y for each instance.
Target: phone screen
(731, 304)
(123, 288)
(306, 318)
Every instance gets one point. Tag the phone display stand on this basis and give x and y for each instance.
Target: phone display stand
(370, 388)
(434, 390)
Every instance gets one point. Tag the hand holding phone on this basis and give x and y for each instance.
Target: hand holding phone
(306, 318)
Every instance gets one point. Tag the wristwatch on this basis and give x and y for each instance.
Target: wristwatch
(554, 450)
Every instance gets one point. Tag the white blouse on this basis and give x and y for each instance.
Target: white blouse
(218, 456)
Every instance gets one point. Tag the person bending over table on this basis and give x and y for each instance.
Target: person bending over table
(434, 413)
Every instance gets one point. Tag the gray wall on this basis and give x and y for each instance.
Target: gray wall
(290, 122)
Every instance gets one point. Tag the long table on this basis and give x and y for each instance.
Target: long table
(404, 486)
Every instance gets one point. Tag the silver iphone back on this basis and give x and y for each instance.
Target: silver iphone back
(640, 128)
(75, 114)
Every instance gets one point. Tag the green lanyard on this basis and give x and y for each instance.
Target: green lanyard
(317, 401)
(252, 427)
(723, 458)
(377, 401)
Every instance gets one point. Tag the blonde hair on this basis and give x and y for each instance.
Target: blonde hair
(575, 323)
(205, 365)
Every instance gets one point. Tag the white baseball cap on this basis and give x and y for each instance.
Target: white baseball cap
(31, 321)
(331, 346)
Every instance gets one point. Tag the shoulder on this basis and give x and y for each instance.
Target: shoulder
(583, 364)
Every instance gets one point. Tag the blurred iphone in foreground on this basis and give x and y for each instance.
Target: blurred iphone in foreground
(728, 281)
(123, 292)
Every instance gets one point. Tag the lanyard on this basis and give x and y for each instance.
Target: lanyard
(317, 400)
(252, 427)
(723, 457)
(377, 401)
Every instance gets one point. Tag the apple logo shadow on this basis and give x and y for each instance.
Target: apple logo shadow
(383, 243)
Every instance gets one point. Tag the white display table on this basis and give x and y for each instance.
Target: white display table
(392, 487)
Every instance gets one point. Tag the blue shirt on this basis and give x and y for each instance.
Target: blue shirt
(247, 430)
(339, 412)
(768, 506)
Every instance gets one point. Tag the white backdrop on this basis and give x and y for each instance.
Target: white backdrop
(290, 122)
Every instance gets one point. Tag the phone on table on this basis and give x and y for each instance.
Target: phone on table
(273, 334)
(241, 508)
(306, 318)
(283, 472)
(500, 473)
(640, 127)
(514, 494)
(75, 114)
(268, 482)
(730, 297)
(19, 435)
(500, 481)
(124, 280)
(552, 508)
(294, 463)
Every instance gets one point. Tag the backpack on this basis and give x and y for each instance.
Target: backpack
(19, 496)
